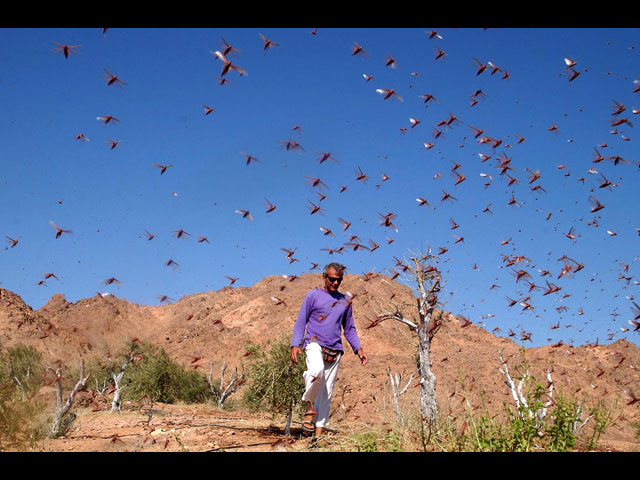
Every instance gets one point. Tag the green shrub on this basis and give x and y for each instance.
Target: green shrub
(366, 442)
(21, 375)
(24, 364)
(559, 429)
(156, 376)
(276, 383)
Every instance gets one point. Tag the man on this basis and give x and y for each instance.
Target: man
(323, 314)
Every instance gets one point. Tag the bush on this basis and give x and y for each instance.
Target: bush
(24, 364)
(21, 375)
(160, 378)
(276, 382)
(537, 427)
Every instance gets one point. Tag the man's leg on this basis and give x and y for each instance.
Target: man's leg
(323, 399)
(313, 377)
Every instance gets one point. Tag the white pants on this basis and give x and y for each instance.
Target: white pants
(319, 379)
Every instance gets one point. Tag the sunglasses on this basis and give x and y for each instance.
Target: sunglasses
(333, 279)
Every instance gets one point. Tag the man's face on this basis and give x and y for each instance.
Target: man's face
(332, 280)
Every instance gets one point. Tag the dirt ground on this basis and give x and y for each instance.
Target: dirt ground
(180, 428)
(206, 428)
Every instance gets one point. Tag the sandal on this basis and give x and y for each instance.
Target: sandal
(318, 442)
(308, 427)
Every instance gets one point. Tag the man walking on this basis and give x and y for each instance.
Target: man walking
(324, 314)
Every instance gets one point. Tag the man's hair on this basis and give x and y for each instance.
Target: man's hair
(338, 267)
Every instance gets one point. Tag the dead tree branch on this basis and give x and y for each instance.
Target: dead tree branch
(116, 403)
(397, 392)
(61, 422)
(222, 392)
(100, 389)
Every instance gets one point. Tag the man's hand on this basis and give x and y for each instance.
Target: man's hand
(362, 356)
(295, 351)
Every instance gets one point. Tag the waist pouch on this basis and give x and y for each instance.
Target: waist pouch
(329, 355)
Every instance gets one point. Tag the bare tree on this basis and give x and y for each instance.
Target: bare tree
(397, 392)
(116, 403)
(101, 389)
(222, 392)
(427, 278)
(61, 421)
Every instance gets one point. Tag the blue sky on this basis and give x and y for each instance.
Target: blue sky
(108, 197)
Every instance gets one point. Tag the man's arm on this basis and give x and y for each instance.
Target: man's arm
(349, 327)
(351, 335)
(362, 356)
(299, 328)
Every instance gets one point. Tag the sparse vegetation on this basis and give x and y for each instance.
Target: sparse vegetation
(535, 424)
(476, 432)
(561, 431)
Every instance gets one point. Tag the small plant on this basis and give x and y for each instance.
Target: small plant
(393, 442)
(366, 442)
(603, 417)
(539, 421)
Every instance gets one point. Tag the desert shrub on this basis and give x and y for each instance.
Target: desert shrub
(193, 387)
(563, 427)
(24, 364)
(21, 375)
(276, 383)
(603, 417)
(156, 376)
(366, 442)
(538, 425)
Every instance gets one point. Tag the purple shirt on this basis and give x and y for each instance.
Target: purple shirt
(324, 315)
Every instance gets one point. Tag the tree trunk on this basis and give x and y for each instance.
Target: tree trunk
(116, 404)
(60, 421)
(428, 326)
(428, 399)
(287, 428)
